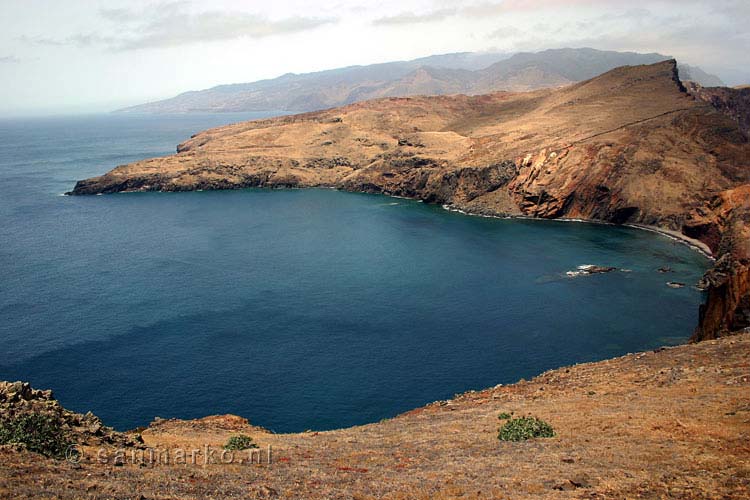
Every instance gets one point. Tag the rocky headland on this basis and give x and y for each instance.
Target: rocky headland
(633, 145)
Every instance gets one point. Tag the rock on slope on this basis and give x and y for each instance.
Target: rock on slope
(629, 146)
(19, 399)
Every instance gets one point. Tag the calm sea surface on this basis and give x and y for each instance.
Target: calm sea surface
(299, 308)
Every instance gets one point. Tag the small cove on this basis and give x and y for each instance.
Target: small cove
(296, 308)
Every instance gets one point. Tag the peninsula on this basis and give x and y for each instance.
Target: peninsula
(629, 146)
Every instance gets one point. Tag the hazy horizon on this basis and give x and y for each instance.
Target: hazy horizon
(94, 56)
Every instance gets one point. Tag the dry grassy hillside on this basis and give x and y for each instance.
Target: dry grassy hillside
(674, 423)
(623, 140)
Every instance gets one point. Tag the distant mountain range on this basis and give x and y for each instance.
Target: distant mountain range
(460, 73)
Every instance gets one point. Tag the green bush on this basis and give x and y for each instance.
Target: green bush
(523, 428)
(505, 416)
(241, 442)
(39, 433)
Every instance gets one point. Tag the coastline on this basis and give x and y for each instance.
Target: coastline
(601, 423)
(677, 236)
(696, 245)
(693, 243)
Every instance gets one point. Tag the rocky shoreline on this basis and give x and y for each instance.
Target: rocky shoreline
(693, 243)
(715, 317)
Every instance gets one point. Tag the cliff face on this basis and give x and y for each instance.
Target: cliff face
(734, 102)
(725, 224)
(628, 146)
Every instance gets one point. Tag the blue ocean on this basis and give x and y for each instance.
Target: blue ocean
(298, 309)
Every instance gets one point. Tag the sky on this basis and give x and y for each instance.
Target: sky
(89, 56)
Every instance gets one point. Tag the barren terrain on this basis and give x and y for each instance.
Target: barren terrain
(674, 423)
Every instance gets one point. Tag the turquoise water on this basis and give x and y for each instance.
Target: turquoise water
(298, 308)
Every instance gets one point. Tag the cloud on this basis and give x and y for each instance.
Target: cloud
(481, 9)
(82, 40)
(37, 40)
(412, 18)
(123, 14)
(184, 28)
(9, 60)
(485, 9)
(174, 24)
(508, 31)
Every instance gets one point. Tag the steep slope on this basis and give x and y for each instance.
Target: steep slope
(467, 73)
(734, 102)
(630, 146)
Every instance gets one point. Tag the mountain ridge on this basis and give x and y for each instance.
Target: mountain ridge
(458, 73)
